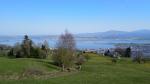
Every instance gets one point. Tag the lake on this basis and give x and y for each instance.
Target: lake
(82, 43)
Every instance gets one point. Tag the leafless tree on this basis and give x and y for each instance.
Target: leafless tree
(46, 44)
(65, 54)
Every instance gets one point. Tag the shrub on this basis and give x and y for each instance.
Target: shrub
(121, 51)
(138, 57)
(79, 61)
(114, 60)
(86, 56)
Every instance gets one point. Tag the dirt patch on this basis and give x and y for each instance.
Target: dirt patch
(35, 73)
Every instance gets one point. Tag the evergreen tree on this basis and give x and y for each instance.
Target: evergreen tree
(128, 52)
(27, 46)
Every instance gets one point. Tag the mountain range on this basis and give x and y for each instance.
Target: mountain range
(112, 34)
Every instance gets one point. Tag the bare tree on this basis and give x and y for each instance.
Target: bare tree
(46, 44)
(65, 53)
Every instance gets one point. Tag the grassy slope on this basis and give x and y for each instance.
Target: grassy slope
(98, 70)
(17, 66)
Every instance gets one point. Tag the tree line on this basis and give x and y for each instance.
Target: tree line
(27, 49)
(64, 55)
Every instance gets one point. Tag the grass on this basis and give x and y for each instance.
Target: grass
(16, 67)
(98, 70)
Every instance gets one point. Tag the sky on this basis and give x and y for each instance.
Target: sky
(46, 17)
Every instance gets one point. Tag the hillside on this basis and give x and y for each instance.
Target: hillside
(98, 70)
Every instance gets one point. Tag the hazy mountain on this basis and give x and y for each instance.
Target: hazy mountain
(112, 34)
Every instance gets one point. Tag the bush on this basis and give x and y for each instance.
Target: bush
(4, 49)
(114, 60)
(138, 57)
(79, 61)
(86, 56)
(121, 51)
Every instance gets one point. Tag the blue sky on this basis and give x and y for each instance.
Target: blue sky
(39, 17)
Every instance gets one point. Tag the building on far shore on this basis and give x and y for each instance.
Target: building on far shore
(102, 51)
(90, 50)
(144, 49)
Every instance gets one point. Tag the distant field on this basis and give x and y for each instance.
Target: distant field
(98, 70)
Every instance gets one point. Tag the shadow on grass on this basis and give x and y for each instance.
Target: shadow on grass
(49, 64)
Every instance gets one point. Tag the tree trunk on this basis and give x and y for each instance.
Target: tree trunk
(63, 67)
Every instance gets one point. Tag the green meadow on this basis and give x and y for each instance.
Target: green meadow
(97, 70)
